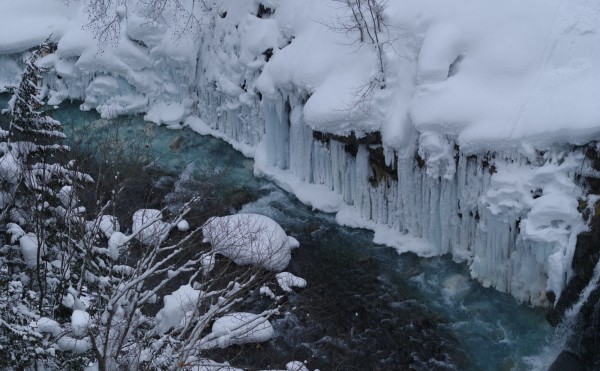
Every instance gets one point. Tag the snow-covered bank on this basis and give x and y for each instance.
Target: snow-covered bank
(469, 150)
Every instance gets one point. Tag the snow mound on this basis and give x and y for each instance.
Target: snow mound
(46, 325)
(250, 239)
(80, 322)
(287, 280)
(29, 247)
(178, 307)
(183, 226)
(238, 328)
(148, 226)
(108, 225)
(115, 243)
(295, 366)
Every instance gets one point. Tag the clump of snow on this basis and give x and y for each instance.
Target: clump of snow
(266, 291)
(106, 224)
(166, 113)
(208, 263)
(77, 346)
(67, 197)
(178, 307)
(10, 167)
(205, 364)
(115, 243)
(250, 239)
(287, 280)
(148, 226)
(80, 322)
(295, 366)
(238, 328)
(29, 248)
(183, 226)
(47, 325)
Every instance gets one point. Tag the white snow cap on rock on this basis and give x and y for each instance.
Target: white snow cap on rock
(295, 366)
(183, 226)
(115, 243)
(46, 325)
(250, 239)
(29, 247)
(108, 224)
(238, 328)
(80, 322)
(287, 280)
(178, 306)
(148, 225)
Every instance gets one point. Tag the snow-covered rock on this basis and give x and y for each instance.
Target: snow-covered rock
(286, 281)
(108, 225)
(250, 239)
(178, 307)
(148, 226)
(80, 322)
(77, 346)
(238, 328)
(183, 226)
(46, 325)
(29, 248)
(295, 366)
(116, 242)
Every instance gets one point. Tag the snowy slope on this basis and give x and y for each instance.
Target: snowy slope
(482, 105)
(522, 74)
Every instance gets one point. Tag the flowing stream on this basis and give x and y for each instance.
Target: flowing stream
(365, 307)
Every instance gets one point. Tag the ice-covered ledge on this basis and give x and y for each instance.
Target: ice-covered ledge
(514, 219)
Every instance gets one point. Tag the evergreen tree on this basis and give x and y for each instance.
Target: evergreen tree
(39, 211)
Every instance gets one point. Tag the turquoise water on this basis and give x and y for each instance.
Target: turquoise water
(365, 306)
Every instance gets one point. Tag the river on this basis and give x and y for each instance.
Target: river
(365, 307)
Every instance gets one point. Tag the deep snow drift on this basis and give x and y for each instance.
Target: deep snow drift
(468, 150)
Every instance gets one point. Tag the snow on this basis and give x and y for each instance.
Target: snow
(208, 263)
(295, 366)
(488, 74)
(47, 325)
(115, 243)
(178, 306)
(205, 364)
(239, 328)
(250, 239)
(148, 227)
(183, 226)
(29, 248)
(80, 322)
(286, 281)
(166, 113)
(108, 225)
(78, 346)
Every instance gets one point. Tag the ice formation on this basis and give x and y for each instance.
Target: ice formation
(470, 150)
